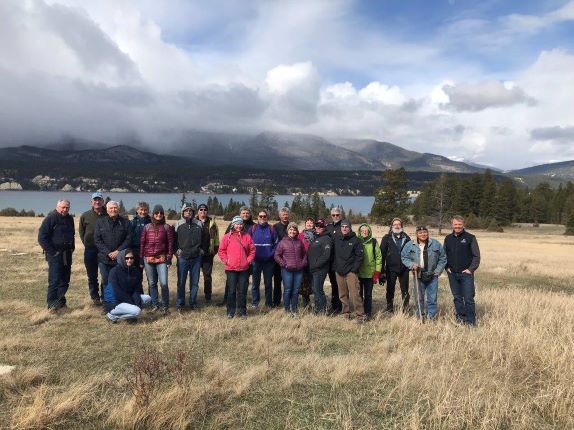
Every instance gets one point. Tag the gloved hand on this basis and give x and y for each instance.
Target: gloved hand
(382, 279)
(376, 276)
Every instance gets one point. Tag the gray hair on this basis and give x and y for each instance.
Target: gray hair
(284, 209)
(112, 203)
(63, 201)
(336, 210)
(143, 205)
(244, 208)
(292, 225)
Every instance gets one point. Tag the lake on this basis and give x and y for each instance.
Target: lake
(45, 201)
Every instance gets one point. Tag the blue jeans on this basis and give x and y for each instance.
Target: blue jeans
(185, 266)
(462, 288)
(317, 281)
(126, 311)
(157, 272)
(237, 283)
(366, 293)
(431, 291)
(105, 274)
(91, 264)
(59, 271)
(267, 267)
(291, 284)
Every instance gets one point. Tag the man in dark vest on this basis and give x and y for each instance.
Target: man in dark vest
(56, 237)
(393, 268)
(463, 258)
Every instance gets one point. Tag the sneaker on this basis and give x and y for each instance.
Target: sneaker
(292, 315)
(53, 311)
(179, 310)
(155, 308)
(230, 316)
(254, 306)
(243, 316)
(165, 312)
(193, 307)
(207, 299)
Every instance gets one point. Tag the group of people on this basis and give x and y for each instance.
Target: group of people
(291, 262)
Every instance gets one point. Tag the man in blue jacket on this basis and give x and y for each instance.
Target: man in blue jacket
(463, 258)
(56, 237)
(265, 240)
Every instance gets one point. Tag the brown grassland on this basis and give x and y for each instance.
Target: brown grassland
(74, 370)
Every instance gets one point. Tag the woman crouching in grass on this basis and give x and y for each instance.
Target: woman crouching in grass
(123, 296)
(291, 256)
(237, 251)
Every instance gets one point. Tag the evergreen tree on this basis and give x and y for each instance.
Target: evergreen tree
(391, 200)
(253, 202)
(472, 189)
(488, 202)
(267, 200)
(506, 206)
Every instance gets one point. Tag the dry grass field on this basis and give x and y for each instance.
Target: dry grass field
(75, 370)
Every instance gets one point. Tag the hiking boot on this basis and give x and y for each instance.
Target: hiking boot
(53, 311)
(155, 308)
(243, 316)
(165, 312)
(96, 302)
(230, 316)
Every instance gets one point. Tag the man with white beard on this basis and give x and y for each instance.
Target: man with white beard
(393, 268)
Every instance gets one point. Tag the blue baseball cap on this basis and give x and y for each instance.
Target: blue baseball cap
(97, 195)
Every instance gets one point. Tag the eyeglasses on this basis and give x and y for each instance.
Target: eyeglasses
(421, 228)
(129, 258)
(335, 215)
(202, 210)
(262, 216)
(158, 213)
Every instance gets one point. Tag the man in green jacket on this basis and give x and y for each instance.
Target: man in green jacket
(370, 269)
(86, 229)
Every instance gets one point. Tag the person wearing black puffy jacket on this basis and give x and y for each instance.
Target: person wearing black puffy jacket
(349, 255)
(319, 260)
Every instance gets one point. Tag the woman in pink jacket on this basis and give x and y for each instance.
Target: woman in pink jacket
(290, 254)
(236, 251)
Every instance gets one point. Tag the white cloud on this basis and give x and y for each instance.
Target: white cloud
(484, 95)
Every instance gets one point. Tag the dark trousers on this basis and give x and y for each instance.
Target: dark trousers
(462, 288)
(206, 269)
(403, 278)
(237, 283)
(336, 305)
(366, 293)
(277, 279)
(318, 291)
(91, 264)
(59, 271)
(266, 268)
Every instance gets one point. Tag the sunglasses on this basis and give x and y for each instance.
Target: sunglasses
(335, 215)
(129, 258)
(262, 216)
(202, 210)
(421, 228)
(158, 213)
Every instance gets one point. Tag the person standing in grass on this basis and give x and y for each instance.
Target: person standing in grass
(281, 229)
(237, 252)
(123, 296)
(265, 241)
(370, 268)
(393, 268)
(319, 261)
(86, 229)
(334, 229)
(211, 233)
(137, 224)
(463, 258)
(192, 244)
(112, 235)
(427, 258)
(56, 237)
(290, 255)
(156, 252)
(306, 237)
(349, 256)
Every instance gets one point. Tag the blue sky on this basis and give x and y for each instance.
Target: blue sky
(489, 81)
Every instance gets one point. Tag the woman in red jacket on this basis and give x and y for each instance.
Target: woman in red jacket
(291, 256)
(156, 251)
(236, 251)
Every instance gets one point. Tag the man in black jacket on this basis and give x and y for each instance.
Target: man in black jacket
(463, 258)
(56, 237)
(319, 260)
(393, 268)
(349, 255)
(113, 233)
(333, 229)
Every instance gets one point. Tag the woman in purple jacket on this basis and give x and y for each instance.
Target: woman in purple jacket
(290, 255)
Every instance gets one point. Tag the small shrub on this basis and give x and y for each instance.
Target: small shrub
(494, 227)
(472, 221)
